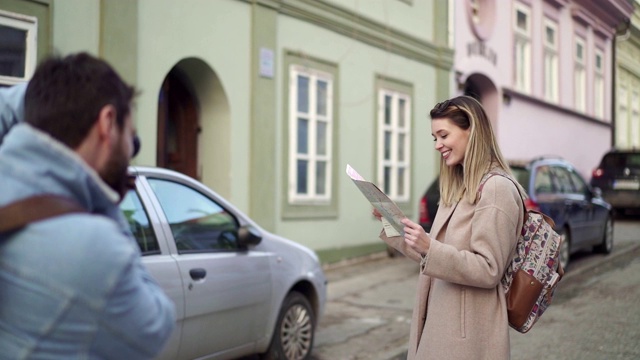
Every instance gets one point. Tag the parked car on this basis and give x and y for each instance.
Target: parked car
(618, 176)
(238, 289)
(555, 188)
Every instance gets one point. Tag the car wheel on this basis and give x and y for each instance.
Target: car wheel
(607, 239)
(565, 248)
(293, 336)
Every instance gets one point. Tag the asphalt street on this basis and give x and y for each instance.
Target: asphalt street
(594, 314)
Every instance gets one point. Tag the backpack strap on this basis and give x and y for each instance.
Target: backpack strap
(491, 174)
(19, 214)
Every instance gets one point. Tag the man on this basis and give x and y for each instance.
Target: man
(73, 286)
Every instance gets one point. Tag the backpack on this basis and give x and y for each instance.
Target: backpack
(532, 275)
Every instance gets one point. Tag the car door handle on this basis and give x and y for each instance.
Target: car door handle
(198, 273)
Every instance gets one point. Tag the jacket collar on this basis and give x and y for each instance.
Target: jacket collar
(47, 165)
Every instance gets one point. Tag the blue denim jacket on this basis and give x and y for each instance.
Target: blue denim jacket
(73, 286)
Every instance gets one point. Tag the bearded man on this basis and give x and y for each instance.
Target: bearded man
(73, 286)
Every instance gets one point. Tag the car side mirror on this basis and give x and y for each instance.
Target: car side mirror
(248, 236)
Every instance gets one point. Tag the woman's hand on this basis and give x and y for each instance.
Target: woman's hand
(416, 237)
(377, 214)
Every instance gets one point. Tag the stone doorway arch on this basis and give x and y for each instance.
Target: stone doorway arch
(194, 130)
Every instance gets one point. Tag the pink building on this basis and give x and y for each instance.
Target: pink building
(543, 70)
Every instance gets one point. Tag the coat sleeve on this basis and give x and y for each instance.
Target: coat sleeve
(11, 107)
(495, 225)
(137, 314)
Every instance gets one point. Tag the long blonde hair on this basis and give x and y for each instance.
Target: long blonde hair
(481, 155)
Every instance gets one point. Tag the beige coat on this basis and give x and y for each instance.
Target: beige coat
(460, 310)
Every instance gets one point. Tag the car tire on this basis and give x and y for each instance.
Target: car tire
(607, 239)
(565, 248)
(294, 332)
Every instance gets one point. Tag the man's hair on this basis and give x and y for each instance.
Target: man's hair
(482, 152)
(65, 95)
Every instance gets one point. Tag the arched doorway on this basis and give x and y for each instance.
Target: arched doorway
(194, 125)
(178, 125)
(480, 87)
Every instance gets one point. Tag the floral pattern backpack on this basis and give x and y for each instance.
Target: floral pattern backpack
(533, 273)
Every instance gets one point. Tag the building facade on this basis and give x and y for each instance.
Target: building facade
(267, 101)
(544, 71)
(627, 89)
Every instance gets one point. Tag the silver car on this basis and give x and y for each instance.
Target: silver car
(238, 289)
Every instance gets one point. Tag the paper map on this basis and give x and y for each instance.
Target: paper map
(391, 213)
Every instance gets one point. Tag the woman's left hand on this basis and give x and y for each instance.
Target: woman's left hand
(416, 237)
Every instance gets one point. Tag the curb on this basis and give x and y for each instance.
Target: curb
(603, 258)
(355, 261)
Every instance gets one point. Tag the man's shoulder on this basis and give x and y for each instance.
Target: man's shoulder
(82, 238)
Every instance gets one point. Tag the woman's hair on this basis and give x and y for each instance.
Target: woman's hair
(481, 155)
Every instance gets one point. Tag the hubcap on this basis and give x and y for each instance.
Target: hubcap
(296, 333)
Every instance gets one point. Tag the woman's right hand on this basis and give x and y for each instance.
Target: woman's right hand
(377, 214)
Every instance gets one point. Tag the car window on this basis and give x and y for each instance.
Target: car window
(542, 183)
(622, 160)
(139, 223)
(521, 175)
(578, 183)
(198, 223)
(563, 179)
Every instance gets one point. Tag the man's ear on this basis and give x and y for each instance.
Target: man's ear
(106, 122)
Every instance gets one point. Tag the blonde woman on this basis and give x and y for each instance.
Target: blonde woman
(460, 310)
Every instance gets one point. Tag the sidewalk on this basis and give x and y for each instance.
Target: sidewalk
(370, 300)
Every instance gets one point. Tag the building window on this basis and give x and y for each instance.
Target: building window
(635, 119)
(550, 61)
(394, 144)
(18, 48)
(579, 75)
(522, 48)
(622, 120)
(310, 135)
(598, 85)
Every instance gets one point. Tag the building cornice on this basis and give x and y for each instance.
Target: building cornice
(352, 24)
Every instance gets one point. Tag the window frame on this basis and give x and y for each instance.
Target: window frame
(396, 131)
(580, 76)
(551, 63)
(598, 84)
(326, 208)
(30, 25)
(634, 118)
(312, 156)
(385, 84)
(622, 116)
(522, 50)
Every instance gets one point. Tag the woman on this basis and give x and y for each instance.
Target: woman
(460, 310)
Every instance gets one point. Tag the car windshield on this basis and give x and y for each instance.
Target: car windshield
(620, 160)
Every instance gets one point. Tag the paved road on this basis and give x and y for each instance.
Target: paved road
(594, 314)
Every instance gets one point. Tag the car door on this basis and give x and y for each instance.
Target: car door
(156, 257)
(595, 216)
(577, 208)
(227, 289)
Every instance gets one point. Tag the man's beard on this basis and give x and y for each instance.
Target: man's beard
(115, 173)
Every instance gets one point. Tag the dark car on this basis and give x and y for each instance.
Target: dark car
(429, 205)
(618, 177)
(555, 188)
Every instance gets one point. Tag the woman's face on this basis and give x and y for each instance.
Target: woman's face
(451, 140)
